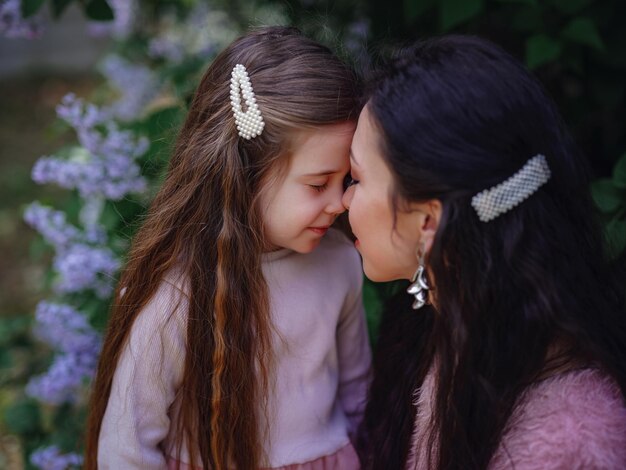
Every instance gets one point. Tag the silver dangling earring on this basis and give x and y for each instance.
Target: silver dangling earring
(419, 284)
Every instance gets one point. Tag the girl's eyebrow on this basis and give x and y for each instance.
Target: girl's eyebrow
(322, 173)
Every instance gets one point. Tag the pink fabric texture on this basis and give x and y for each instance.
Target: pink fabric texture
(576, 420)
(344, 459)
(319, 376)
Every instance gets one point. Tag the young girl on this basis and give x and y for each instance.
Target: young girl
(509, 349)
(238, 339)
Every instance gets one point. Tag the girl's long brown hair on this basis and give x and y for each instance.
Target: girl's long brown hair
(206, 222)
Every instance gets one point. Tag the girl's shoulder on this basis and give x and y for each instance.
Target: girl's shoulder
(166, 310)
(576, 419)
(335, 241)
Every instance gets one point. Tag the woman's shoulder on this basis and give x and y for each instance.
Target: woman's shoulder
(576, 419)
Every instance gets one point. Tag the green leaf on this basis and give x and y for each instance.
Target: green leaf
(23, 417)
(619, 173)
(30, 7)
(605, 195)
(541, 49)
(527, 2)
(583, 31)
(373, 308)
(413, 9)
(99, 10)
(616, 237)
(59, 6)
(569, 7)
(455, 12)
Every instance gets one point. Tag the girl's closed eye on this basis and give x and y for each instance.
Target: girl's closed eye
(319, 187)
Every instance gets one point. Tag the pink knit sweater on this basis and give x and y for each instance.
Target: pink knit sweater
(574, 420)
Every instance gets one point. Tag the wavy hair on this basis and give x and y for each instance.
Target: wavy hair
(206, 222)
(518, 298)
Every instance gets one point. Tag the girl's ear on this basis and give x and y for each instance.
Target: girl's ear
(428, 220)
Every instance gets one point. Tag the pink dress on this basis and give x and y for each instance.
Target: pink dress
(344, 459)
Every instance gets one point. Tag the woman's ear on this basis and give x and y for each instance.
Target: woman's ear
(429, 217)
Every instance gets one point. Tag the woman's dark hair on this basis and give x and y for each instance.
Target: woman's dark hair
(518, 298)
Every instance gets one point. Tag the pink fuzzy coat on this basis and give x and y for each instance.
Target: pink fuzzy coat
(576, 420)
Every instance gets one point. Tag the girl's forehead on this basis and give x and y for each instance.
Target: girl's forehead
(323, 150)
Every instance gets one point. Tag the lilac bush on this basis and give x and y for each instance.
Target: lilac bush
(13, 25)
(104, 165)
(136, 83)
(51, 458)
(65, 329)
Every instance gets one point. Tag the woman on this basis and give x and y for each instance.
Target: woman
(466, 181)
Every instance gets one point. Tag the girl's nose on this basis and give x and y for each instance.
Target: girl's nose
(335, 205)
(346, 199)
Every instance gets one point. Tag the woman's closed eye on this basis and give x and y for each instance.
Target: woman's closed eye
(349, 181)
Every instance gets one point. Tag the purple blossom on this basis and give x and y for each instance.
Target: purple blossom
(51, 458)
(137, 84)
(112, 179)
(165, 48)
(79, 114)
(105, 166)
(203, 32)
(64, 328)
(52, 225)
(13, 25)
(83, 267)
(64, 379)
(67, 330)
(124, 20)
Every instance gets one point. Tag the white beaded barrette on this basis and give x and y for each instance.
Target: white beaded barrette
(490, 203)
(249, 124)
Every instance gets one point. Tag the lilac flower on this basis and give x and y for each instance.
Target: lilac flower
(124, 20)
(51, 458)
(204, 32)
(52, 225)
(105, 166)
(75, 112)
(65, 329)
(13, 25)
(137, 84)
(165, 48)
(83, 267)
(64, 379)
(94, 178)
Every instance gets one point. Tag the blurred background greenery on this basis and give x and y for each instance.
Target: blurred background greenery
(151, 55)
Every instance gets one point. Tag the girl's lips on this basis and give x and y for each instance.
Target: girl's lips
(319, 230)
(356, 243)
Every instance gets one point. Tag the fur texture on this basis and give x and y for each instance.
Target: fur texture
(570, 421)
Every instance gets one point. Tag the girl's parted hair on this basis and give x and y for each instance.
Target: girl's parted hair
(459, 115)
(206, 223)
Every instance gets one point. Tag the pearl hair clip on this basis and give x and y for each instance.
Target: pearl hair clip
(249, 124)
(495, 201)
